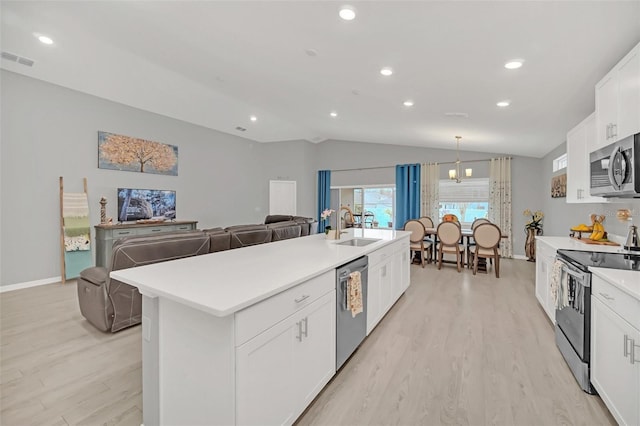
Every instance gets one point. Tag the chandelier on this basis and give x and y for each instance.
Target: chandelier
(454, 174)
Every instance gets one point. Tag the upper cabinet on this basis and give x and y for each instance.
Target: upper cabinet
(618, 101)
(580, 142)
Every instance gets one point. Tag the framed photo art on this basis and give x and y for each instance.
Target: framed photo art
(559, 186)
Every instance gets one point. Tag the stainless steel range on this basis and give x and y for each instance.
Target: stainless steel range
(573, 321)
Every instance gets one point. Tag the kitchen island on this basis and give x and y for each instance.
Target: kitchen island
(248, 336)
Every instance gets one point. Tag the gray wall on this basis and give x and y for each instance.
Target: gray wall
(50, 131)
(561, 216)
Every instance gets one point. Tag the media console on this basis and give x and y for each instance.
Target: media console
(107, 234)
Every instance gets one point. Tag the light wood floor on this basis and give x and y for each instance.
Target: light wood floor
(455, 349)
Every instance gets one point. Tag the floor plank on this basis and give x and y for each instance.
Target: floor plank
(455, 349)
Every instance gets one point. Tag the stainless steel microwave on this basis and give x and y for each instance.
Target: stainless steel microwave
(615, 169)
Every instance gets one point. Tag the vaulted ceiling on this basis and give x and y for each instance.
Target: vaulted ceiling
(290, 64)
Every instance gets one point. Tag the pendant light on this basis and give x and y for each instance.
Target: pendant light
(454, 174)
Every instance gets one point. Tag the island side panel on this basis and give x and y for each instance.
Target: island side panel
(150, 365)
(196, 366)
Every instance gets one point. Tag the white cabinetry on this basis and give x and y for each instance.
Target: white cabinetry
(580, 142)
(545, 257)
(388, 279)
(280, 370)
(615, 350)
(618, 101)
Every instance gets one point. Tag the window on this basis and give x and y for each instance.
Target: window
(560, 162)
(468, 200)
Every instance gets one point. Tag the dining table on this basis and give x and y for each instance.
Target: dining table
(467, 234)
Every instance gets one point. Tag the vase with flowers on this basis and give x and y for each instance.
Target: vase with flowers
(532, 228)
(325, 216)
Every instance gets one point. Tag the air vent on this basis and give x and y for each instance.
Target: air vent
(457, 114)
(19, 59)
(242, 129)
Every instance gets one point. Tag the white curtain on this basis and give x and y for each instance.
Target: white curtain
(500, 201)
(430, 188)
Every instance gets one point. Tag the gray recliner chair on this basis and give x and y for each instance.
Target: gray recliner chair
(111, 305)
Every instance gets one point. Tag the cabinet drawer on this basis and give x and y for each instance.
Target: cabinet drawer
(119, 233)
(381, 254)
(619, 301)
(257, 318)
(182, 228)
(154, 230)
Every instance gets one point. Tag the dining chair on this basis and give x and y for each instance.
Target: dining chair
(428, 223)
(450, 217)
(449, 235)
(416, 240)
(487, 237)
(470, 241)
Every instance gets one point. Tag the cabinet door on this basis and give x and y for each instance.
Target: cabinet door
(629, 95)
(386, 285)
(265, 378)
(315, 349)
(613, 374)
(580, 143)
(606, 108)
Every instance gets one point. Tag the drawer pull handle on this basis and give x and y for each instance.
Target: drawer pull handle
(306, 326)
(606, 296)
(299, 336)
(301, 298)
(124, 233)
(155, 230)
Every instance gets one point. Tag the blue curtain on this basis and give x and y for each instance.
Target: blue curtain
(324, 196)
(407, 193)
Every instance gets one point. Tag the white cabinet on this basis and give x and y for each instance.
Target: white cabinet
(388, 279)
(580, 142)
(280, 371)
(615, 350)
(545, 258)
(618, 101)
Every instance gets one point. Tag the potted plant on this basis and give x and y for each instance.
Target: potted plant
(532, 228)
(324, 216)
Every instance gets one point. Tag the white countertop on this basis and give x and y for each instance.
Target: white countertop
(627, 281)
(225, 282)
(568, 243)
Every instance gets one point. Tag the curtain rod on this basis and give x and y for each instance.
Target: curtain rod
(390, 167)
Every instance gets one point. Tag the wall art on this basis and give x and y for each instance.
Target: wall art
(559, 186)
(117, 152)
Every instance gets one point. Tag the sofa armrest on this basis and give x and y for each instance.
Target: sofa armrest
(96, 275)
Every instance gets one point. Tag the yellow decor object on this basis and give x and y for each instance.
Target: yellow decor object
(598, 232)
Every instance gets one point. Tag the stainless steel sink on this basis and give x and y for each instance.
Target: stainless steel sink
(358, 242)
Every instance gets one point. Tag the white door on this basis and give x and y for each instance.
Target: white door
(629, 96)
(282, 197)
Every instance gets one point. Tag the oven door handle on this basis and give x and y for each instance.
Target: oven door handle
(581, 276)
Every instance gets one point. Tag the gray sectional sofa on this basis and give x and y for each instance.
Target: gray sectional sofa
(111, 305)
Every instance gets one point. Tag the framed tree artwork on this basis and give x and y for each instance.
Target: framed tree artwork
(118, 152)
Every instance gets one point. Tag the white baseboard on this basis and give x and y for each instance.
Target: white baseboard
(520, 257)
(20, 286)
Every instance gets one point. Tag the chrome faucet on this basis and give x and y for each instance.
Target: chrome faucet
(338, 223)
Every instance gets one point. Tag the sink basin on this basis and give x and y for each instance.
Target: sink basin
(358, 242)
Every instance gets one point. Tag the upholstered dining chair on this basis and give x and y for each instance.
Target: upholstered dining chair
(416, 240)
(449, 235)
(470, 241)
(487, 237)
(449, 217)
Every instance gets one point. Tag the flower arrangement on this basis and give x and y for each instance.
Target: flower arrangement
(326, 214)
(536, 220)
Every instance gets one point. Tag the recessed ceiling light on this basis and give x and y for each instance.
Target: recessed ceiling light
(253, 118)
(348, 13)
(333, 114)
(386, 71)
(45, 39)
(408, 103)
(513, 64)
(503, 104)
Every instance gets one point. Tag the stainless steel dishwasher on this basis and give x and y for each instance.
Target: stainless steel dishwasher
(351, 330)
